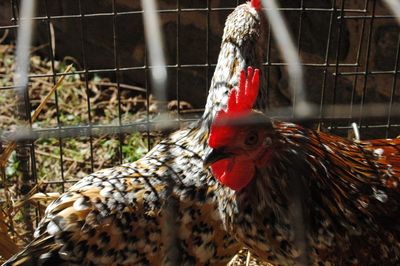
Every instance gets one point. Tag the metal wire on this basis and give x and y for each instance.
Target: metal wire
(155, 48)
(24, 151)
(290, 55)
(394, 6)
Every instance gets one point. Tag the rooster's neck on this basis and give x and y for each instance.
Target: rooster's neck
(242, 46)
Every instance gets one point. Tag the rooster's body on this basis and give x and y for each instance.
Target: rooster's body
(120, 215)
(163, 208)
(314, 198)
(323, 199)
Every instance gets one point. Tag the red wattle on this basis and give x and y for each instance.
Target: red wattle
(233, 174)
(218, 168)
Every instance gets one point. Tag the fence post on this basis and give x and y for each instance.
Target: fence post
(21, 82)
(23, 151)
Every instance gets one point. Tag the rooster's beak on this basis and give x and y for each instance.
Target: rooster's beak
(215, 155)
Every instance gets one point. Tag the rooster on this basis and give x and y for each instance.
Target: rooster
(163, 208)
(299, 196)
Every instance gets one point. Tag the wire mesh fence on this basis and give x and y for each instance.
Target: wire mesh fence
(108, 111)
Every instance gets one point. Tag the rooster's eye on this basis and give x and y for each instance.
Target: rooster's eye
(251, 138)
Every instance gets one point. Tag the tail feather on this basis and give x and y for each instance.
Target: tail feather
(41, 251)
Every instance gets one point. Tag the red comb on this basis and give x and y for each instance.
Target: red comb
(243, 99)
(256, 4)
(240, 101)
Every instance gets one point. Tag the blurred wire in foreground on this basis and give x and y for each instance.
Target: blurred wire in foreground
(158, 70)
(394, 6)
(24, 148)
(155, 48)
(289, 54)
(24, 39)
